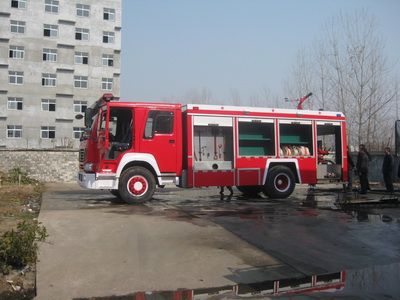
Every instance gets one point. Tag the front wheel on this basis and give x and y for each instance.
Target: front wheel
(136, 185)
(280, 182)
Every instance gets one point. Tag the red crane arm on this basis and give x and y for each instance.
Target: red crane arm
(302, 99)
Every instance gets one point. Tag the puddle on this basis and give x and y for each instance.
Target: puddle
(374, 282)
(359, 207)
(177, 207)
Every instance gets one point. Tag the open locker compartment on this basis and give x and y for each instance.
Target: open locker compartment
(296, 138)
(212, 143)
(330, 156)
(256, 137)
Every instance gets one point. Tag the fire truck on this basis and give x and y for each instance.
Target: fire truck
(130, 148)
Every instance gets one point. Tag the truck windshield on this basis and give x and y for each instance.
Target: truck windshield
(90, 115)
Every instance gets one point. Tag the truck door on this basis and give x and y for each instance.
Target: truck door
(160, 139)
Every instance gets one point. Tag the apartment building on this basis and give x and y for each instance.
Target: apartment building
(56, 58)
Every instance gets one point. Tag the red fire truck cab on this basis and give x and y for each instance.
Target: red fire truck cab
(130, 148)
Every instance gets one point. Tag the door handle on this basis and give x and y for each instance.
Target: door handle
(171, 141)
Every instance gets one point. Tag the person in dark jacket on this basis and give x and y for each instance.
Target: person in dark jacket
(387, 170)
(362, 168)
(350, 168)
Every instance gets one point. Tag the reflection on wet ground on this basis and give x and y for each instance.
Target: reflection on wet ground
(378, 282)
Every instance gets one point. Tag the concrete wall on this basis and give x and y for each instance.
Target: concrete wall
(43, 165)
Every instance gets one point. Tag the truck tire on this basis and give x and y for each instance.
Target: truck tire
(136, 185)
(280, 182)
(249, 190)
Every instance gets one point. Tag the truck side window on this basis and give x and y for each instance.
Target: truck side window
(120, 125)
(120, 131)
(159, 122)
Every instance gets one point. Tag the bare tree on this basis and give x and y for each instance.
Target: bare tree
(301, 80)
(322, 89)
(234, 97)
(349, 73)
(262, 98)
(201, 96)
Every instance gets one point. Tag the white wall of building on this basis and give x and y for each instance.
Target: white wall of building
(32, 117)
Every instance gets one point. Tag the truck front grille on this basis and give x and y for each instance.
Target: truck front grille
(82, 155)
(82, 158)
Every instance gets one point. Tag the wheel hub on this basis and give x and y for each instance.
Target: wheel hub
(137, 185)
(282, 182)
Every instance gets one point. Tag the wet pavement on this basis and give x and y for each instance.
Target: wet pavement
(326, 244)
(321, 233)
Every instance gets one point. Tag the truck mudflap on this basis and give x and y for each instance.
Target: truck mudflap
(97, 181)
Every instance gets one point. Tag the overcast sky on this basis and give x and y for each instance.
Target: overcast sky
(172, 47)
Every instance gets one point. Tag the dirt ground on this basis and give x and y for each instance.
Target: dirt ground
(18, 203)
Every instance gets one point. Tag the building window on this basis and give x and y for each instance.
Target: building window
(48, 104)
(15, 77)
(106, 84)
(50, 30)
(80, 106)
(108, 60)
(17, 52)
(81, 82)
(51, 6)
(49, 54)
(82, 10)
(81, 58)
(17, 26)
(82, 34)
(108, 37)
(14, 131)
(78, 132)
(14, 103)
(48, 132)
(109, 14)
(49, 79)
(18, 3)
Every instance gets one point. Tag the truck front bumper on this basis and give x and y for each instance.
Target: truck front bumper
(98, 181)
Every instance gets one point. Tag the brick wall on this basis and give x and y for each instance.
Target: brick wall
(43, 165)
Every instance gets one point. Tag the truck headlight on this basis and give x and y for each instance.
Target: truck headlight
(88, 167)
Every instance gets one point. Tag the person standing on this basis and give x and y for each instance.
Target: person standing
(362, 168)
(350, 170)
(369, 159)
(387, 170)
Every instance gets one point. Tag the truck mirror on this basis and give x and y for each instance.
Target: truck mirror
(89, 113)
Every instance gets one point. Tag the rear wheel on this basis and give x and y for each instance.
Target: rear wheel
(250, 190)
(137, 184)
(280, 182)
